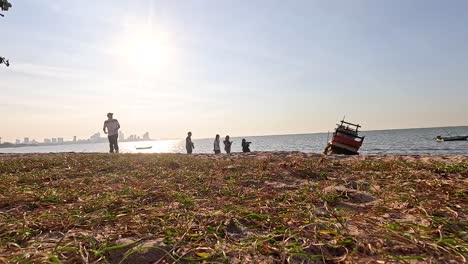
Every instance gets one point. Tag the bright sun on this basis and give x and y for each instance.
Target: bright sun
(145, 50)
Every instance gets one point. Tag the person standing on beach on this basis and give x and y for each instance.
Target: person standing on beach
(188, 143)
(227, 145)
(217, 148)
(245, 145)
(112, 126)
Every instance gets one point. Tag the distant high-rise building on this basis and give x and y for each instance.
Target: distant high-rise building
(60, 140)
(54, 140)
(74, 139)
(34, 141)
(95, 138)
(47, 140)
(146, 136)
(26, 140)
(0, 140)
(121, 136)
(18, 142)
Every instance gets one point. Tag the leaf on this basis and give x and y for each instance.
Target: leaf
(203, 255)
(67, 249)
(327, 232)
(54, 259)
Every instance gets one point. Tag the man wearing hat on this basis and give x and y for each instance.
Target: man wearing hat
(112, 132)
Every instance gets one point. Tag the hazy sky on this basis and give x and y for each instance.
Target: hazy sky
(239, 67)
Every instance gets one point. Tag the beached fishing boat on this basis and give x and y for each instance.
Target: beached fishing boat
(150, 147)
(345, 140)
(456, 138)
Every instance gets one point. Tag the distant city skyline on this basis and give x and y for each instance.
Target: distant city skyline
(265, 67)
(96, 137)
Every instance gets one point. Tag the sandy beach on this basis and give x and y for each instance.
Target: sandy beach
(261, 207)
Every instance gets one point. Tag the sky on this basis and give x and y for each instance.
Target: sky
(237, 67)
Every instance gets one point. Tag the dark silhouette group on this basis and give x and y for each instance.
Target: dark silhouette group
(111, 128)
(216, 144)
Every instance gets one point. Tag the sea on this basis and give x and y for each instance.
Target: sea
(402, 141)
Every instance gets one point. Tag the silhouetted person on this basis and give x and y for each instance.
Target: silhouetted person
(112, 126)
(245, 145)
(3, 60)
(216, 147)
(227, 145)
(188, 143)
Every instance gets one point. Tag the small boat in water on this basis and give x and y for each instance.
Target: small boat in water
(345, 140)
(150, 147)
(456, 138)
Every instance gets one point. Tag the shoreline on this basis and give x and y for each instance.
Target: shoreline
(277, 135)
(448, 157)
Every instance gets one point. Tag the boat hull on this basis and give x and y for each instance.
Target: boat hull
(343, 145)
(461, 138)
(334, 149)
(144, 148)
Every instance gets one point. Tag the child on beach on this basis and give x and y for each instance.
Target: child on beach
(227, 145)
(189, 144)
(217, 148)
(245, 145)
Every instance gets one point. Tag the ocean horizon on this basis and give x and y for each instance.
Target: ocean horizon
(394, 141)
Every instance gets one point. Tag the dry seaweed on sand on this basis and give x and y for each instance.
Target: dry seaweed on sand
(259, 207)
